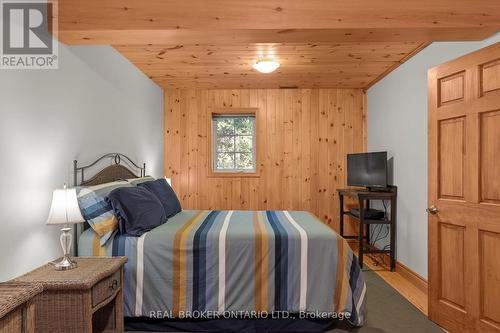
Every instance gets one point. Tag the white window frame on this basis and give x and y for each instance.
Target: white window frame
(216, 116)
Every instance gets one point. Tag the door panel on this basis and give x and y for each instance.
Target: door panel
(490, 152)
(451, 150)
(490, 76)
(464, 185)
(489, 250)
(452, 264)
(451, 88)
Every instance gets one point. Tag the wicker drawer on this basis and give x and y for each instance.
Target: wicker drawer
(19, 320)
(12, 322)
(17, 307)
(106, 288)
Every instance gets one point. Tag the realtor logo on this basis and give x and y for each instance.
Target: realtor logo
(27, 40)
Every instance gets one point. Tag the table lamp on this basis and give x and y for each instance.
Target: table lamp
(65, 210)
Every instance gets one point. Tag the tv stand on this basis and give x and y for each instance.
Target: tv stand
(364, 196)
(377, 189)
(369, 213)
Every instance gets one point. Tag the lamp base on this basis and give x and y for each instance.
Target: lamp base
(65, 264)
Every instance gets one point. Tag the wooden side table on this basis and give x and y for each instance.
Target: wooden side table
(17, 307)
(82, 300)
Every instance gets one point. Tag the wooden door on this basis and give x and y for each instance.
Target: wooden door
(464, 192)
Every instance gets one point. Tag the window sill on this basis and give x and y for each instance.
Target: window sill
(214, 174)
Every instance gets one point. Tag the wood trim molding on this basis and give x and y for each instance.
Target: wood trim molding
(412, 277)
(397, 64)
(407, 282)
(408, 274)
(365, 121)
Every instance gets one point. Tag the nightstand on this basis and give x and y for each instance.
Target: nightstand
(17, 307)
(82, 300)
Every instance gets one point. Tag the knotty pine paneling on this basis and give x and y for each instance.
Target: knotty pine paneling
(303, 138)
(229, 65)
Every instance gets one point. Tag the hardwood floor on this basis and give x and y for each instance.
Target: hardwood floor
(396, 279)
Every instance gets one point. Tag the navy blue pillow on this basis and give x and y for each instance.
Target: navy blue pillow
(137, 210)
(165, 193)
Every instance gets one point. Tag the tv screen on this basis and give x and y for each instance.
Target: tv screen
(367, 169)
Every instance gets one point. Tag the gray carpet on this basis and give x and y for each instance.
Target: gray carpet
(388, 311)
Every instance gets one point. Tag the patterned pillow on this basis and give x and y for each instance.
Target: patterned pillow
(97, 211)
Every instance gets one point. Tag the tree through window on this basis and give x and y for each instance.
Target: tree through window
(233, 142)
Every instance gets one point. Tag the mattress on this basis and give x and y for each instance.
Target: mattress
(237, 262)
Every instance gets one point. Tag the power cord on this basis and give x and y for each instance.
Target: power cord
(378, 235)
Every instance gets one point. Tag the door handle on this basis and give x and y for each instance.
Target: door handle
(432, 210)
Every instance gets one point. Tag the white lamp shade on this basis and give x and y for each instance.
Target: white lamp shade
(64, 208)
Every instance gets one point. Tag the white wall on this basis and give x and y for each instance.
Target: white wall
(397, 122)
(96, 102)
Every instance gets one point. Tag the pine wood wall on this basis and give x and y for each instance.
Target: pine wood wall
(303, 136)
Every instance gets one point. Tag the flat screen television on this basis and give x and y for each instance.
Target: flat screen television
(367, 170)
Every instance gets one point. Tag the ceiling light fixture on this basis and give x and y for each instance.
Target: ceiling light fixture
(266, 65)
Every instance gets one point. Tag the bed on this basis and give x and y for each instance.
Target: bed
(207, 267)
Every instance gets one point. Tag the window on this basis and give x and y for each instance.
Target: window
(233, 143)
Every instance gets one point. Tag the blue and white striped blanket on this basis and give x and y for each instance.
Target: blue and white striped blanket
(261, 261)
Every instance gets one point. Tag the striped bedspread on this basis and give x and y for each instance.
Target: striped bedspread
(261, 261)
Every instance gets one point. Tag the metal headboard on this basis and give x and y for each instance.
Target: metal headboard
(116, 171)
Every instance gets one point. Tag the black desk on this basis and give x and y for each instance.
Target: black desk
(364, 197)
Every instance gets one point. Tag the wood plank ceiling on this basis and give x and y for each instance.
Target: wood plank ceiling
(319, 43)
(313, 65)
